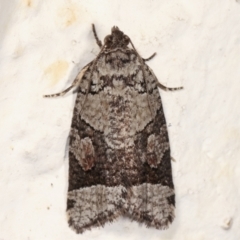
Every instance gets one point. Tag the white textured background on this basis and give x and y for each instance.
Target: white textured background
(44, 43)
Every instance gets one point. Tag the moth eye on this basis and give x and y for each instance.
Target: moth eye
(126, 38)
(108, 39)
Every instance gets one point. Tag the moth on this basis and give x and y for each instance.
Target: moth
(119, 153)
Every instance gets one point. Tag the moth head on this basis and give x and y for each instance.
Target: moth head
(116, 39)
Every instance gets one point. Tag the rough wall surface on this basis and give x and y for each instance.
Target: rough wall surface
(43, 46)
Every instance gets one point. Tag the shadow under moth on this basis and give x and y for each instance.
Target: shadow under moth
(119, 153)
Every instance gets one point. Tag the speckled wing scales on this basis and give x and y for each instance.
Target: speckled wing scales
(90, 202)
(153, 200)
(119, 155)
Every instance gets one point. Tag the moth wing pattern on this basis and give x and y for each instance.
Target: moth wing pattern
(119, 155)
(90, 202)
(156, 208)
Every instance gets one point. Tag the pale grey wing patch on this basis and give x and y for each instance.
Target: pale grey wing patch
(105, 65)
(94, 206)
(149, 204)
(83, 89)
(139, 82)
(95, 109)
(108, 84)
(154, 98)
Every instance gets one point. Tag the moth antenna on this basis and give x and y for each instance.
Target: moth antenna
(99, 43)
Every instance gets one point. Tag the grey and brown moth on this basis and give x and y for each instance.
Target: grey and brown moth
(119, 153)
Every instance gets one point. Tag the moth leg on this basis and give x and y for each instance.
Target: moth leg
(149, 58)
(158, 83)
(99, 43)
(59, 94)
(75, 83)
(168, 89)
